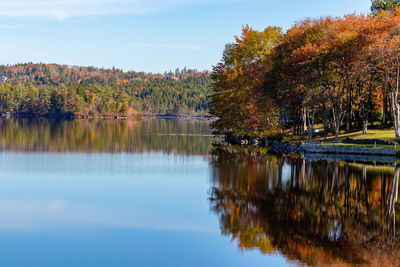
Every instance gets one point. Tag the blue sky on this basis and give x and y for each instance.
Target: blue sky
(144, 35)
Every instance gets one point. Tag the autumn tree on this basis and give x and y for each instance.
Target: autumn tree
(385, 54)
(290, 81)
(331, 70)
(237, 84)
(322, 64)
(90, 91)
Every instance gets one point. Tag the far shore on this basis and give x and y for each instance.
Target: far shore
(117, 117)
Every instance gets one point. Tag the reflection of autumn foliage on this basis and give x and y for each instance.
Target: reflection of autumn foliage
(318, 213)
(149, 135)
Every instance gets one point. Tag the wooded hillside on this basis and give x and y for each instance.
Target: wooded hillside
(51, 89)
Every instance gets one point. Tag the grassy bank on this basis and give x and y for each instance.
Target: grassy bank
(374, 134)
(380, 134)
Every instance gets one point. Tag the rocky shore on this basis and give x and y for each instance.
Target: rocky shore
(276, 145)
(284, 147)
(279, 147)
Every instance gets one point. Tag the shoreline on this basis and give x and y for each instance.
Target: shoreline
(304, 149)
(356, 159)
(116, 117)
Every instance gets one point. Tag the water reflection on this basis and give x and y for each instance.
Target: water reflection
(316, 213)
(188, 137)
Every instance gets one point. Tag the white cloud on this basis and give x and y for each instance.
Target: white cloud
(183, 46)
(61, 9)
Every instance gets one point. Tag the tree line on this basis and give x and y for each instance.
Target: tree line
(342, 73)
(60, 90)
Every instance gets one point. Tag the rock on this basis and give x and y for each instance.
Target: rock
(285, 148)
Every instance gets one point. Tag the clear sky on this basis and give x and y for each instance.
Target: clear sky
(144, 35)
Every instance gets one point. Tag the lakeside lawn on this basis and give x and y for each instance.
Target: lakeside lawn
(381, 134)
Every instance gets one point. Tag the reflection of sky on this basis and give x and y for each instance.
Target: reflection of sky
(286, 173)
(125, 190)
(142, 207)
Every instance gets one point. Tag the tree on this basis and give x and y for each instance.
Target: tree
(85, 90)
(384, 5)
(319, 65)
(289, 81)
(57, 101)
(385, 54)
(344, 46)
(237, 84)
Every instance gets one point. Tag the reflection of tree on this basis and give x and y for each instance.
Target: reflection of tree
(319, 213)
(392, 201)
(149, 135)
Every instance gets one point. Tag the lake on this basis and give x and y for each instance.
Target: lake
(159, 192)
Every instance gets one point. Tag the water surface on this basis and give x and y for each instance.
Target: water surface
(159, 193)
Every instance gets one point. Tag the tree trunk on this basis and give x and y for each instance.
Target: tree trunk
(282, 122)
(365, 123)
(394, 91)
(310, 123)
(366, 110)
(395, 112)
(337, 119)
(303, 120)
(385, 106)
(325, 121)
(349, 109)
(294, 118)
(393, 197)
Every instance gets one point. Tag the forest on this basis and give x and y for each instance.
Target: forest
(71, 91)
(334, 74)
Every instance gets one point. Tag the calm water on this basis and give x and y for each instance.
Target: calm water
(158, 193)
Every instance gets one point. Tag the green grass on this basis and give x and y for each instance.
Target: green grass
(386, 135)
(381, 134)
(359, 146)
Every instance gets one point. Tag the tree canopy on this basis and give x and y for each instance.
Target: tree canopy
(59, 90)
(238, 79)
(341, 73)
(384, 5)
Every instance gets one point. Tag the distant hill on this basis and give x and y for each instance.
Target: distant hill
(61, 90)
